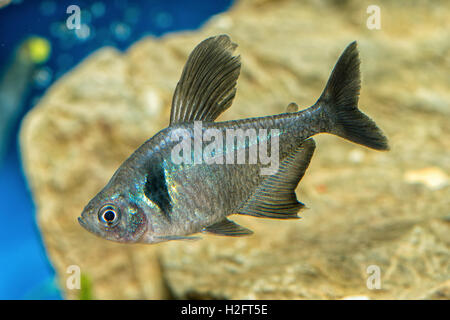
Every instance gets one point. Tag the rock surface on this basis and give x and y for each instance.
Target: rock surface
(364, 214)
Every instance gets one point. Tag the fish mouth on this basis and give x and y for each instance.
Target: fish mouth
(82, 223)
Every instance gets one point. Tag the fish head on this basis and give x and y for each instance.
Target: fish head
(113, 216)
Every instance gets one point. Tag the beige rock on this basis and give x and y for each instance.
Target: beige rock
(362, 211)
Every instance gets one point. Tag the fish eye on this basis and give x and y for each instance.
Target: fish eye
(108, 215)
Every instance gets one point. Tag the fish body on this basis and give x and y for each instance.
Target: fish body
(192, 175)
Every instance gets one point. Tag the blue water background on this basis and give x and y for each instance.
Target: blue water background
(25, 271)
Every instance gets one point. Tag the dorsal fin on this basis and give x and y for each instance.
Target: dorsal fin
(207, 84)
(275, 197)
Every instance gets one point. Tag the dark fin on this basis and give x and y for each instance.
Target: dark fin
(340, 100)
(275, 197)
(228, 228)
(292, 107)
(156, 190)
(207, 84)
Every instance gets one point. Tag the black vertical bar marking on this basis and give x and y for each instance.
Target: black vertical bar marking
(156, 189)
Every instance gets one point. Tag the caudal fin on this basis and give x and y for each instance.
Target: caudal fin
(340, 100)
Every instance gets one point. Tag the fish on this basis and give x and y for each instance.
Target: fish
(187, 178)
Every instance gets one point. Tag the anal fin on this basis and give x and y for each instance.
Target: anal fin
(228, 228)
(275, 197)
(169, 238)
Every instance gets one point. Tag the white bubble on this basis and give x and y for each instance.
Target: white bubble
(98, 9)
(163, 20)
(43, 77)
(120, 30)
(84, 32)
(356, 156)
(153, 102)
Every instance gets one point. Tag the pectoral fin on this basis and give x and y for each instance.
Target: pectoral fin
(275, 197)
(207, 84)
(228, 228)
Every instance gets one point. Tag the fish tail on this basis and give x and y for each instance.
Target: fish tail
(340, 102)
